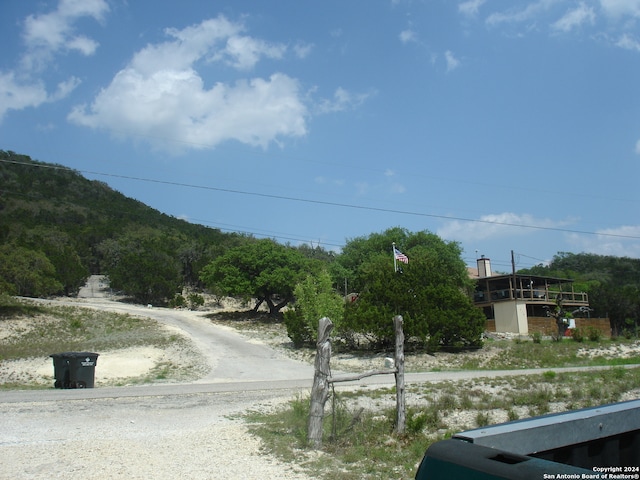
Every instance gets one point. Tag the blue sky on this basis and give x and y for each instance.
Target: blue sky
(500, 124)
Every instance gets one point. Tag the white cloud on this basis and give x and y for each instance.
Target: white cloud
(83, 44)
(213, 40)
(494, 226)
(21, 94)
(187, 46)
(619, 8)
(244, 52)
(452, 61)
(44, 36)
(623, 241)
(161, 96)
(471, 7)
(518, 14)
(575, 18)
(408, 36)
(623, 17)
(638, 147)
(16, 95)
(302, 50)
(52, 32)
(342, 100)
(176, 109)
(64, 89)
(628, 42)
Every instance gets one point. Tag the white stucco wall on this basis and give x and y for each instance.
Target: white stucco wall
(511, 317)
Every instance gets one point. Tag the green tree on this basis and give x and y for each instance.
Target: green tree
(27, 272)
(262, 269)
(61, 252)
(143, 263)
(620, 304)
(53, 210)
(431, 292)
(315, 298)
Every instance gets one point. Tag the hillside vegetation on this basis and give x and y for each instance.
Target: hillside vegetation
(57, 227)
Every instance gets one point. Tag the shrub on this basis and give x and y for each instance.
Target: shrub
(298, 330)
(594, 334)
(482, 419)
(177, 301)
(195, 300)
(447, 402)
(416, 422)
(315, 298)
(536, 337)
(578, 335)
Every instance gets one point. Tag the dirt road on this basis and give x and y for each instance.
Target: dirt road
(190, 431)
(231, 357)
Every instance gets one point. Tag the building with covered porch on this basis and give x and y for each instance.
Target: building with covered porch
(516, 303)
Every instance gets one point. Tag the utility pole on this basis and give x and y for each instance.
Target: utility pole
(513, 274)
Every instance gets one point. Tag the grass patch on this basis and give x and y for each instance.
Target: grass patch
(349, 452)
(12, 307)
(61, 329)
(363, 446)
(548, 354)
(34, 331)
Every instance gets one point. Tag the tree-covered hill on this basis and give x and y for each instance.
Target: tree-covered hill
(57, 227)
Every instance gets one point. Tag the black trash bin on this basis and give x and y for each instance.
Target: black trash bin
(74, 369)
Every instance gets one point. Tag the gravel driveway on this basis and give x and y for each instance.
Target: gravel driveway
(190, 431)
(140, 434)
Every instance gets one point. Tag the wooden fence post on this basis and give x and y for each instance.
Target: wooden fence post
(399, 364)
(322, 379)
(320, 389)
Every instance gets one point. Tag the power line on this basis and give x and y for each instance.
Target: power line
(327, 203)
(257, 153)
(264, 233)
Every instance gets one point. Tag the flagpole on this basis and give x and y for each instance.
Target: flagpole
(393, 251)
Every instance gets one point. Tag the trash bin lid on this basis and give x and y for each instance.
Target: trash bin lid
(74, 355)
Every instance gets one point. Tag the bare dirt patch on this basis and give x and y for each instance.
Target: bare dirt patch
(612, 351)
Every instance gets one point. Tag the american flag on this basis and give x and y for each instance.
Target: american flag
(401, 257)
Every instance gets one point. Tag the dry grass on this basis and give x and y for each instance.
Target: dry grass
(29, 333)
(362, 444)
